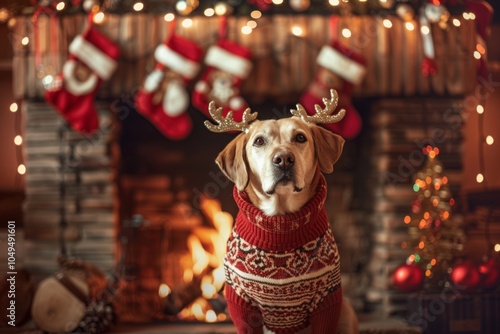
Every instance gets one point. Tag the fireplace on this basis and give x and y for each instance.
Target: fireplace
(126, 198)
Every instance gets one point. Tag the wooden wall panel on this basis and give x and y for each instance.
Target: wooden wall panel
(393, 55)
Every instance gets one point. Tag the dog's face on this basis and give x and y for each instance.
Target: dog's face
(279, 159)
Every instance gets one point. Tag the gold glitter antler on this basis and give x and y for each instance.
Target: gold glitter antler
(228, 123)
(322, 115)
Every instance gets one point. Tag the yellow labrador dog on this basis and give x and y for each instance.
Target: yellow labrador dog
(282, 265)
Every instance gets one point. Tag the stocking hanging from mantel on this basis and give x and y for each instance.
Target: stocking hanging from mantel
(228, 65)
(342, 69)
(93, 59)
(163, 98)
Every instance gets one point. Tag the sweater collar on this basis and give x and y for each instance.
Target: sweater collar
(283, 224)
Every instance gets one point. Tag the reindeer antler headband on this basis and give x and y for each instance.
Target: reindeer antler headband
(322, 115)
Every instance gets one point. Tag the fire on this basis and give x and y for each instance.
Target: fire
(207, 247)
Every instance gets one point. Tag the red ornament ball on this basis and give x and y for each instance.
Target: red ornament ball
(408, 277)
(490, 274)
(465, 276)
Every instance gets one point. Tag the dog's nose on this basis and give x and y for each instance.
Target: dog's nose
(283, 160)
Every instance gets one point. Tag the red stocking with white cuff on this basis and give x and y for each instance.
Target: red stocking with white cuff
(163, 99)
(92, 60)
(228, 65)
(341, 69)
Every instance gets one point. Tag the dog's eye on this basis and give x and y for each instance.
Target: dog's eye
(259, 141)
(300, 138)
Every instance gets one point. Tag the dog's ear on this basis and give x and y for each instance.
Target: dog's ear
(232, 162)
(328, 147)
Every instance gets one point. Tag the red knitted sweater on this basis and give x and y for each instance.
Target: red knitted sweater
(286, 266)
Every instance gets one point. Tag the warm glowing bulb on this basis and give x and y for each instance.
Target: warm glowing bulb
(497, 248)
(387, 23)
(220, 9)
(181, 6)
(277, 2)
(346, 33)
(209, 12)
(297, 31)
(246, 30)
(334, 2)
(13, 107)
(138, 6)
(169, 17)
(18, 140)
(480, 109)
(407, 219)
(466, 15)
(99, 17)
(425, 30)
(480, 48)
(60, 6)
(409, 26)
(25, 40)
(252, 24)
(489, 140)
(21, 169)
(456, 22)
(187, 23)
(256, 14)
(479, 178)
(472, 16)
(164, 290)
(477, 55)
(211, 316)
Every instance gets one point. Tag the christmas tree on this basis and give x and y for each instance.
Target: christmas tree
(434, 237)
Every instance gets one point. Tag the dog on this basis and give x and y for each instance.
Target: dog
(282, 265)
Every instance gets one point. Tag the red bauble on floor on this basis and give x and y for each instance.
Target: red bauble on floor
(408, 277)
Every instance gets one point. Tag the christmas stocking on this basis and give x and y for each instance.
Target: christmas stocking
(92, 59)
(163, 98)
(341, 69)
(228, 65)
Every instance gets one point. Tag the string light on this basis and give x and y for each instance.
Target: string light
(21, 169)
(277, 2)
(480, 109)
(477, 55)
(13, 107)
(490, 140)
(409, 26)
(138, 6)
(252, 24)
(334, 2)
(346, 33)
(187, 23)
(25, 41)
(387, 23)
(466, 15)
(256, 14)
(472, 16)
(99, 18)
(221, 9)
(456, 22)
(246, 30)
(18, 140)
(169, 17)
(297, 31)
(425, 30)
(209, 12)
(60, 6)
(479, 178)
(497, 248)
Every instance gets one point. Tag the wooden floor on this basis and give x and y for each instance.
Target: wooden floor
(366, 326)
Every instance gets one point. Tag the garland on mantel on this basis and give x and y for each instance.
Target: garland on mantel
(406, 9)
